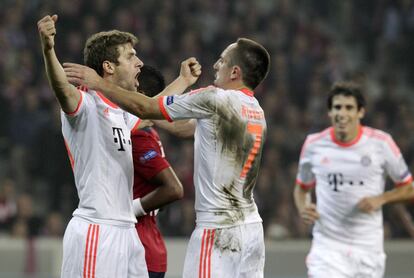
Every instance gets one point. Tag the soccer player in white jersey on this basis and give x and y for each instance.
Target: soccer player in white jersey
(347, 164)
(229, 134)
(101, 240)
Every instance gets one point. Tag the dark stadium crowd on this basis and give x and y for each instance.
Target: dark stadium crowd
(312, 44)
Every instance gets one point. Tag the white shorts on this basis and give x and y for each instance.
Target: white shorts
(100, 250)
(233, 252)
(323, 262)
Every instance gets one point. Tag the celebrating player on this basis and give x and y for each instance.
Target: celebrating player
(100, 240)
(229, 137)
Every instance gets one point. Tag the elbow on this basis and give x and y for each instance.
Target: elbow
(177, 192)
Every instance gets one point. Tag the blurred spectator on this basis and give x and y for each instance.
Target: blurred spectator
(8, 206)
(25, 223)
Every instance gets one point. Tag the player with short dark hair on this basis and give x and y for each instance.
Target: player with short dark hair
(347, 164)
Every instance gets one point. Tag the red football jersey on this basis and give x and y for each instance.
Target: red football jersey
(149, 160)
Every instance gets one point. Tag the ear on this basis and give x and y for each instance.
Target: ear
(108, 67)
(236, 73)
(361, 113)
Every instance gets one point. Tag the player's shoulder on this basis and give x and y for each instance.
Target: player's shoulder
(205, 90)
(381, 137)
(318, 136)
(375, 133)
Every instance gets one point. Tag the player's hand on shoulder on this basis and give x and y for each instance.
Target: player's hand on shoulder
(81, 75)
(47, 31)
(190, 70)
(309, 214)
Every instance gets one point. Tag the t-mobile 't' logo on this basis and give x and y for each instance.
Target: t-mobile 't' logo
(119, 138)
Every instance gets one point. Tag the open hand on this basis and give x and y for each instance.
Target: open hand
(47, 31)
(82, 75)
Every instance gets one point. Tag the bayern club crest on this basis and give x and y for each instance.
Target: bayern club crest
(366, 161)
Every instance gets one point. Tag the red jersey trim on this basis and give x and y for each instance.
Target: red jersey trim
(305, 186)
(349, 144)
(77, 107)
(405, 182)
(247, 92)
(163, 110)
(107, 101)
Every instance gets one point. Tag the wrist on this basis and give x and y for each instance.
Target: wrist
(184, 81)
(137, 208)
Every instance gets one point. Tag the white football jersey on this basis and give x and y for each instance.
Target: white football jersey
(344, 174)
(229, 137)
(97, 137)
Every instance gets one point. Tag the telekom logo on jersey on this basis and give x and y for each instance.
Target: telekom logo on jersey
(337, 180)
(119, 138)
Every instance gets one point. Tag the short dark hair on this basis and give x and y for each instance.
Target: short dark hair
(253, 59)
(103, 46)
(151, 81)
(348, 89)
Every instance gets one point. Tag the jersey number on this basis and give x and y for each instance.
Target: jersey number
(256, 130)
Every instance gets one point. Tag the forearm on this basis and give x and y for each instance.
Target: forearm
(182, 128)
(177, 87)
(158, 198)
(66, 93)
(132, 102)
(399, 194)
(301, 197)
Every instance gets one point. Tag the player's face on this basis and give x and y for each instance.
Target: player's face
(345, 116)
(128, 68)
(222, 68)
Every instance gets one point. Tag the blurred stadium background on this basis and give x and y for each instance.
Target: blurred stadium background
(312, 43)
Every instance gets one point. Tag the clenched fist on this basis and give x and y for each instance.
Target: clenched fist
(47, 31)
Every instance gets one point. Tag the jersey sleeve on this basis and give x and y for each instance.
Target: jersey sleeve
(132, 121)
(395, 164)
(148, 157)
(81, 110)
(305, 177)
(195, 104)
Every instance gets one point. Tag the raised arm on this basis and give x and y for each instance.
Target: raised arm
(137, 104)
(67, 95)
(190, 71)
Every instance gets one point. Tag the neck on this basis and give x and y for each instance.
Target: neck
(347, 137)
(235, 85)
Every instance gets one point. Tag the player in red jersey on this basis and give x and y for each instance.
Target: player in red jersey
(155, 183)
